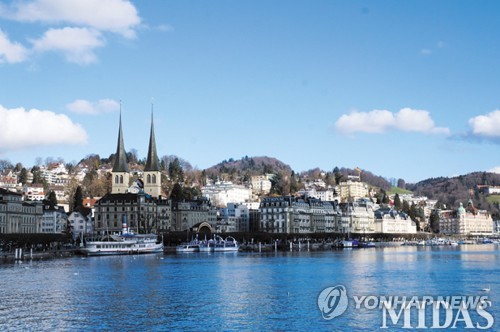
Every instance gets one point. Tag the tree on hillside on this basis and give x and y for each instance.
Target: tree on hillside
(417, 215)
(175, 171)
(397, 202)
(295, 184)
(406, 207)
(338, 175)
(37, 177)
(78, 198)
(434, 221)
(23, 176)
(132, 156)
(177, 194)
(93, 161)
(5, 164)
(401, 184)
(52, 199)
(70, 168)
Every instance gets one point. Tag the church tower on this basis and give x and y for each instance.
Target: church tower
(120, 175)
(152, 175)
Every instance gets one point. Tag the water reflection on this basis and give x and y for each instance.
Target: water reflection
(232, 291)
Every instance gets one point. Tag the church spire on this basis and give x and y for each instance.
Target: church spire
(152, 160)
(120, 157)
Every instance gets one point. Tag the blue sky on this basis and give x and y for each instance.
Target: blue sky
(404, 89)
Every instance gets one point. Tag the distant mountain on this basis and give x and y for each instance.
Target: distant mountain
(452, 191)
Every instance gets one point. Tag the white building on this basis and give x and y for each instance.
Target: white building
(8, 179)
(54, 220)
(33, 192)
(390, 221)
(80, 223)
(323, 194)
(221, 193)
(357, 217)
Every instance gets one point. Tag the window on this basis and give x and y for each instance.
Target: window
(154, 178)
(149, 178)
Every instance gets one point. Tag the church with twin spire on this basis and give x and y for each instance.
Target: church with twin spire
(143, 211)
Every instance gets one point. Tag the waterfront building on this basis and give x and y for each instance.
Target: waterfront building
(496, 227)
(145, 211)
(253, 220)
(221, 193)
(80, 222)
(188, 213)
(54, 220)
(234, 218)
(287, 214)
(142, 213)
(18, 216)
(388, 220)
(357, 217)
(466, 221)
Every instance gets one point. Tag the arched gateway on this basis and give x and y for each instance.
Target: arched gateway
(204, 230)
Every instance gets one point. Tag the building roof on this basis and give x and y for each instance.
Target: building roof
(121, 164)
(8, 192)
(152, 160)
(131, 197)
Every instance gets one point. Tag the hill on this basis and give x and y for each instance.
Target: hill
(241, 170)
(452, 191)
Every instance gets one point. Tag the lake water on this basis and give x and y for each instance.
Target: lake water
(240, 291)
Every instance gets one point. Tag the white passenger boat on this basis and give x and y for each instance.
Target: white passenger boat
(188, 247)
(122, 244)
(207, 246)
(226, 245)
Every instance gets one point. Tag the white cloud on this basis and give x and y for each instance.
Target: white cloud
(495, 170)
(117, 16)
(408, 119)
(11, 52)
(425, 51)
(376, 121)
(486, 125)
(24, 129)
(82, 106)
(77, 44)
(75, 28)
(380, 121)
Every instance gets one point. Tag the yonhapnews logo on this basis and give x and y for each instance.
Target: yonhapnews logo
(413, 312)
(332, 302)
